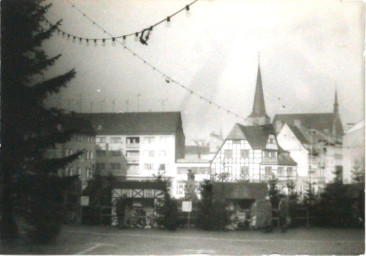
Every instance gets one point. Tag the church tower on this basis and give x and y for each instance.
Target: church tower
(259, 115)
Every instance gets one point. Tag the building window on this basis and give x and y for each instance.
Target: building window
(148, 167)
(280, 171)
(101, 140)
(79, 171)
(116, 140)
(270, 154)
(149, 153)
(163, 139)
(268, 170)
(100, 166)
(88, 173)
(162, 153)
(133, 168)
(91, 155)
(289, 171)
(100, 153)
(244, 153)
(149, 140)
(162, 167)
(132, 140)
(115, 166)
(244, 171)
(115, 153)
(228, 153)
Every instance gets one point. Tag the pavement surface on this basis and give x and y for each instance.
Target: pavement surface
(93, 240)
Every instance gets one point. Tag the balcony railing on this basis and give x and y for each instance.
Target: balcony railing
(269, 160)
(133, 158)
(133, 145)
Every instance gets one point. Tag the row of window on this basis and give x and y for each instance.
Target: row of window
(112, 166)
(244, 153)
(228, 153)
(132, 140)
(132, 154)
(195, 170)
(244, 170)
(86, 155)
(87, 174)
(83, 138)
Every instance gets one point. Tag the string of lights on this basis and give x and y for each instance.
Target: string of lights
(142, 35)
(166, 77)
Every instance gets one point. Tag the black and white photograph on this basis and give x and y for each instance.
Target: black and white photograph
(182, 127)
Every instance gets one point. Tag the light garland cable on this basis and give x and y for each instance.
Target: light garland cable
(142, 35)
(166, 77)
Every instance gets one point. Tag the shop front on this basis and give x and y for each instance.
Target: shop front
(239, 198)
(141, 200)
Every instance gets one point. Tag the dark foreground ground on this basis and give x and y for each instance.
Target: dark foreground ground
(109, 240)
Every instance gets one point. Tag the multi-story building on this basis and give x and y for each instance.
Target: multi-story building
(252, 152)
(354, 151)
(318, 134)
(150, 143)
(82, 140)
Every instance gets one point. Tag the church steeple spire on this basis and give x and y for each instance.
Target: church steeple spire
(336, 105)
(259, 115)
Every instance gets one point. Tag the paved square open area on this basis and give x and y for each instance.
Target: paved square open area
(110, 240)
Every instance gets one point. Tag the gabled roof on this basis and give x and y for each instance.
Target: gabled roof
(299, 135)
(135, 123)
(259, 108)
(256, 135)
(357, 127)
(285, 159)
(197, 150)
(318, 121)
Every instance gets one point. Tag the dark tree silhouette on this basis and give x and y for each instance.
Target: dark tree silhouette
(29, 129)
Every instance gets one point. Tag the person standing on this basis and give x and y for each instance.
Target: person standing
(283, 214)
(120, 209)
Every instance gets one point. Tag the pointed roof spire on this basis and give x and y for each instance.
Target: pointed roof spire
(336, 105)
(259, 108)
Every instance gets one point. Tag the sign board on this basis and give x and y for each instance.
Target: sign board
(84, 201)
(186, 206)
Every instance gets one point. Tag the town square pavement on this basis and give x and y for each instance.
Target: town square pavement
(110, 240)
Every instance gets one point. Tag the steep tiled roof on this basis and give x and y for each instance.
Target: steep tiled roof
(131, 123)
(318, 121)
(257, 136)
(299, 135)
(259, 108)
(285, 159)
(197, 150)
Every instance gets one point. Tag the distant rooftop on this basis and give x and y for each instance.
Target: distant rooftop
(135, 123)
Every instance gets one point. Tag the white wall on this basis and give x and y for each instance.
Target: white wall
(353, 149)
(298, 152)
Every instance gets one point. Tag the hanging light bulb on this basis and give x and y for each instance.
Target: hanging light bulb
(188, 13)
(168, 21)
(136, 37)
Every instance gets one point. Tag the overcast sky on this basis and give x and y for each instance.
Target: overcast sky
(307, 49)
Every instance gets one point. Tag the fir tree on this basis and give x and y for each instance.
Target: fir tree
(29, 129)
(274, 192)
(358, 171)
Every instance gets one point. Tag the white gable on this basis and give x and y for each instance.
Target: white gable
(271, 142)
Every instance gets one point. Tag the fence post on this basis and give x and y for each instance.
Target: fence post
(307, 217)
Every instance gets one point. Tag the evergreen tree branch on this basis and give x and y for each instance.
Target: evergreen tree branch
(52, 85)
